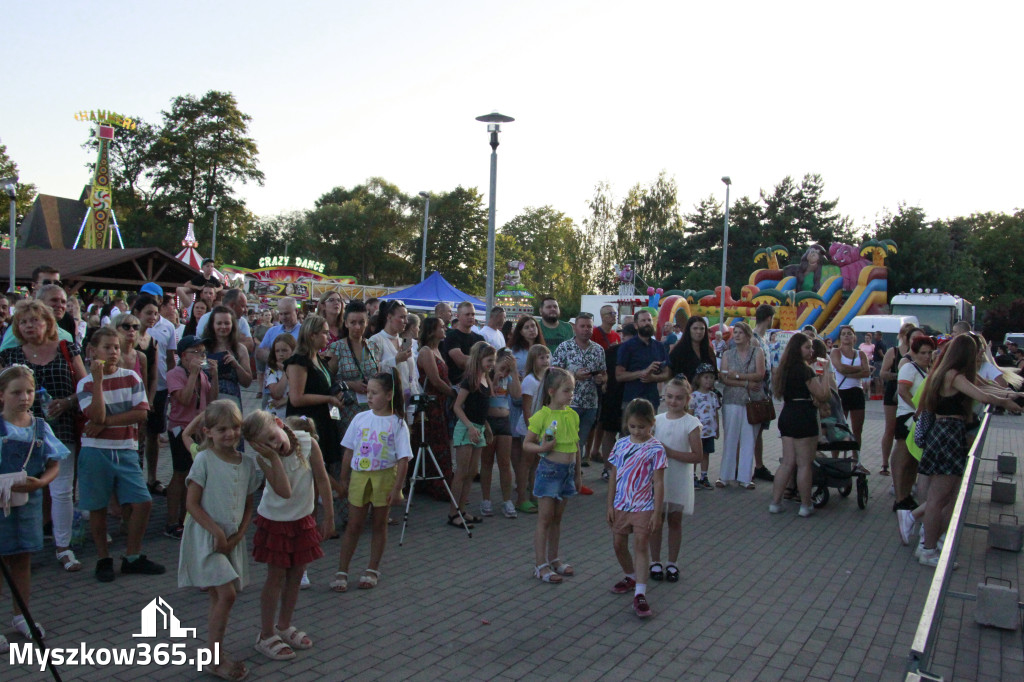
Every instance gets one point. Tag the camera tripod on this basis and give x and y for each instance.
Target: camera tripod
(419, 473)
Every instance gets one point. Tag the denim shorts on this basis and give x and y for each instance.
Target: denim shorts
(102, 471)
(554, 480)
(22, 531)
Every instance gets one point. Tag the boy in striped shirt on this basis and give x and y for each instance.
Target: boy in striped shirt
(113, 400)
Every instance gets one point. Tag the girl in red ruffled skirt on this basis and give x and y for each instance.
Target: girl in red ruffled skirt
(287, 536)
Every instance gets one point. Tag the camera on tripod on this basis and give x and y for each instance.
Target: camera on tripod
(420, 401)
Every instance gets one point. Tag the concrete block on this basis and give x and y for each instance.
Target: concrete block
(1006, 535)
(1006, 463)
(997, 606)
(1004, 490)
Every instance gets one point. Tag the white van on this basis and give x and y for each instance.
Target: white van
(889, 325)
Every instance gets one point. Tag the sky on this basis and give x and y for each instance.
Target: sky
(889, 101)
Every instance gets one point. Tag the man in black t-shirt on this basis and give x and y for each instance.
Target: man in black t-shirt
(459, 341)
(193, 287)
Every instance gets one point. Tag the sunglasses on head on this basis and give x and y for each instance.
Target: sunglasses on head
(128, 327)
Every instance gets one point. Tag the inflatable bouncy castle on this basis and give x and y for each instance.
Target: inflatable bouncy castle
(826, 289)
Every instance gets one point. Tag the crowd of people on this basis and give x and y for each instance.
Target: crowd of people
(350, 390)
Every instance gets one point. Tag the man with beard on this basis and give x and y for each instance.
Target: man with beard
(642, 363)
(552, 329)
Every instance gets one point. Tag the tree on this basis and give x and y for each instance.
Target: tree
(923, 253)
(556, 257)
(368, 231)
(202, 152)
(648, 216)
(457, 238)
(990, 271)
(600, 228)
(817, 219)
(24, 192)
(1003, 319)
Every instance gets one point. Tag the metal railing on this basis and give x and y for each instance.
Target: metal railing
(927, 626)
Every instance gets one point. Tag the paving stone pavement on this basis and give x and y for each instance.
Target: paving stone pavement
(762, 597)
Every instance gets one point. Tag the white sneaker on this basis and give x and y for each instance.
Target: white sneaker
(304, 583)
(919, 549)
(509, 510)
(905, 523)
(806, 511)
(929, 557)
(485, 508)
(774, 508)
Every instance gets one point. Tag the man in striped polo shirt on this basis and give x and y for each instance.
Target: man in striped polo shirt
(113, 399)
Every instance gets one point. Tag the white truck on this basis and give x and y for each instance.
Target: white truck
(936, 312)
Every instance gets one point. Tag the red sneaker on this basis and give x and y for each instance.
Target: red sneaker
(625, 585)
(584, 490)
(641, 607)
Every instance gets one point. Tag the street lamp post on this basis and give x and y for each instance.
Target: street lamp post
(493, 121)
(213, 248)
(426, 217)
(725, 254)
(11, 188)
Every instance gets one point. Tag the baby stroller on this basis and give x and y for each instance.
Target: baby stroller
(839, 473)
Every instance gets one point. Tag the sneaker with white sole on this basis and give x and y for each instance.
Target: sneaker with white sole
(929, 557)
(304, 584)
(774, 508)
(509, 510)
(485, 508)
(905, 524)
(805, 511)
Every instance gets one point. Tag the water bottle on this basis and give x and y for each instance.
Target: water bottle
(549, 433)
(44, 399)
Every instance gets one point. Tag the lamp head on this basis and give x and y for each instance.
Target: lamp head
(494, 117)
(727, 180)
(12, 180)
(424, 195)
(212, 208)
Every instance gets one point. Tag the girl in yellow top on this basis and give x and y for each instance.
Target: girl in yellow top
(554, 432)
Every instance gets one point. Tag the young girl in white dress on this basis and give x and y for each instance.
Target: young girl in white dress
(680, 433)
(219, 501)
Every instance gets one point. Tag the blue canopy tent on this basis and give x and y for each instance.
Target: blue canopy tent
(431, 291)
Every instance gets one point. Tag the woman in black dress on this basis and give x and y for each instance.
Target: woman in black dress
(309, 386)
(693, 350)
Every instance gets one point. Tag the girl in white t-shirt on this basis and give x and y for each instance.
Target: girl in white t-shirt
(680, 433)
(376, 458)
(524, 463)
(287, 534)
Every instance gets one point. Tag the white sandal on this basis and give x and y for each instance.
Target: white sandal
(273, 648)
(21, 625)
(563, 568)
(295, 638)
(368, 582)
(69, 561)
(547, 577)
(5, 646)
(340, 582)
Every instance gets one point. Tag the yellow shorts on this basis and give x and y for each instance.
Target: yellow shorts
(372, 487)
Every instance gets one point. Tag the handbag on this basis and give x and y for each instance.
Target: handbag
(925, 421)
(8, 498)
(758, 411)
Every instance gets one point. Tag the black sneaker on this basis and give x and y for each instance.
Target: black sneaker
(105, 570)
(763, 474)
(174, 532)
(141, 566)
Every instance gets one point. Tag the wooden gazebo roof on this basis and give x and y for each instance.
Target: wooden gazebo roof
(126, 269)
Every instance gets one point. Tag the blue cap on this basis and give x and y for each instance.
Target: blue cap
(152, 288)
